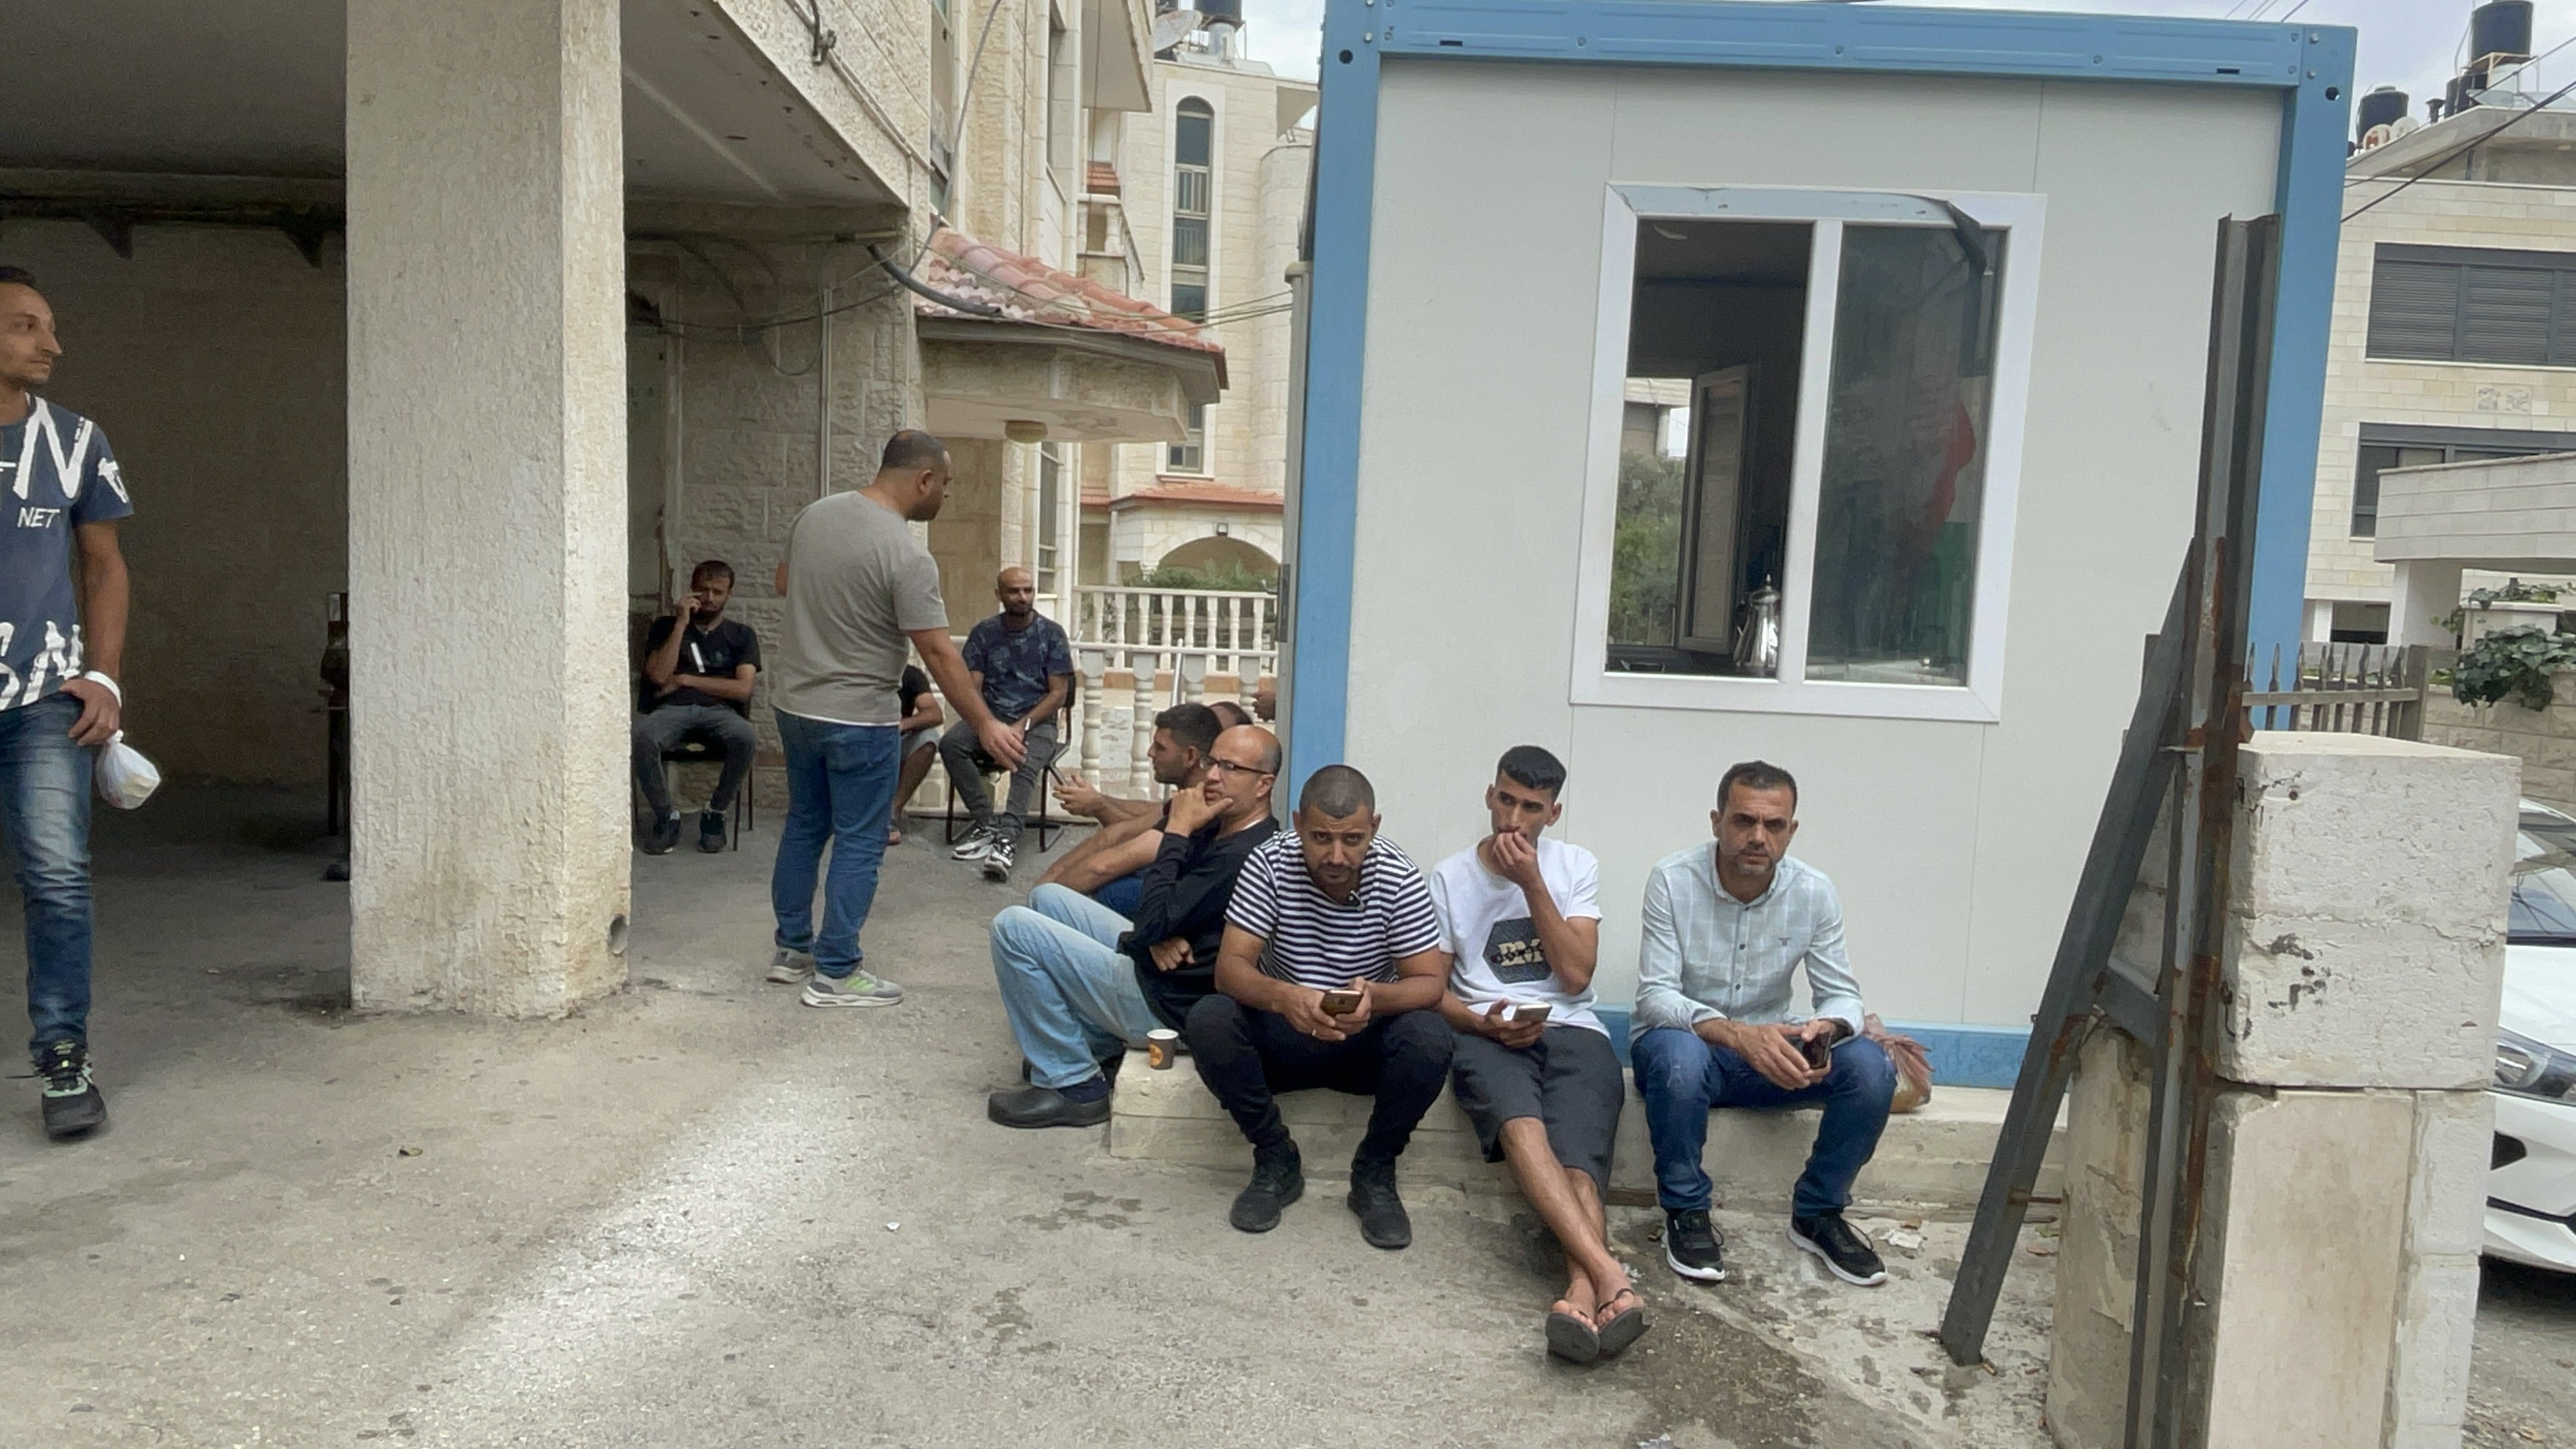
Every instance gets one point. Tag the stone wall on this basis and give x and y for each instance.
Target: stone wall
(2544, 740)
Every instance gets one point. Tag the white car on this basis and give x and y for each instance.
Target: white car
(2531, 1185)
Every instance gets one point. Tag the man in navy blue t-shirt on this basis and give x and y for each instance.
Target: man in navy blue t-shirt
(62, 642)
(1023, 666)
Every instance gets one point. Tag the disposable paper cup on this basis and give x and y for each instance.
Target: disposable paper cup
(1162, 1048)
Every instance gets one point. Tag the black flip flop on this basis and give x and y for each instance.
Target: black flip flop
(1623, 1328)
(1572, 1339)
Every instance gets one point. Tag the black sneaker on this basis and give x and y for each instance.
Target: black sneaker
(662, 835)
(1277, 1180)
(1381, 1213)
(72, 1101)
(1693, 1247)
(711, 831)
(1841, 1247)
(998, 861)
(1035, 1106)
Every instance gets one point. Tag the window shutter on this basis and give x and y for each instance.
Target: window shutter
(2414, 309)
(2506, 315)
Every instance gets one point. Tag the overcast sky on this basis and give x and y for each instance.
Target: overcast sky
(2414, 44)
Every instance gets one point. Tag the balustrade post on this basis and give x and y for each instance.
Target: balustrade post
(1094, 664)
(1192, 682)
(1140, 770)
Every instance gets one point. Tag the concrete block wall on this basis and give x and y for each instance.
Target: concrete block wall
(2543, 740)
(2342, 1210)
(2359, 944)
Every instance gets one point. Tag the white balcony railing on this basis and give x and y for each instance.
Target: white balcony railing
(1140, 651)
(1136, 653)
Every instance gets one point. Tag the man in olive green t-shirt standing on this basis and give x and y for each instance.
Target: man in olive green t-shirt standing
(858, 587)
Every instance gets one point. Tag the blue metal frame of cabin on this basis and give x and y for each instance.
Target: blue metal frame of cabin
(2309, 65)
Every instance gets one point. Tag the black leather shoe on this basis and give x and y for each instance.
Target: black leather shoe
(1045, 1107)
(1278, 1179)
(711, 831)
(661, 835)
(1383, 1221)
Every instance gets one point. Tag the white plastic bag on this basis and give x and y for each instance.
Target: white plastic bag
(125, 778)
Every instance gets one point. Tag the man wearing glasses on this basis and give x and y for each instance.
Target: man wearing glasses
(1082, 983)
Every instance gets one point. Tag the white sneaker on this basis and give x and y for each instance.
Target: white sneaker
(787, 968)
(998, 862)
(856, 989)
(977, 844)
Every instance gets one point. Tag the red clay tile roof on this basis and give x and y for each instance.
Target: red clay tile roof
(1204, 492)
(1099, 178)
(1028, 290)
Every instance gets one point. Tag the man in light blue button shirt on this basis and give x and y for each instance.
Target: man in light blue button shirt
(1726, 927)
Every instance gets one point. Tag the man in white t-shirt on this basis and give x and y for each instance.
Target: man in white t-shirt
(1534, 1069)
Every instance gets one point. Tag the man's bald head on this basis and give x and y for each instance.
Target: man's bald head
(1017, 588)
(912, 475)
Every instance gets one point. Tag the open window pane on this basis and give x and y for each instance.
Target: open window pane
(1905, 456)
(1716, 327)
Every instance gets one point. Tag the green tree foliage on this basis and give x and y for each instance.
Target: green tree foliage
(1646, 550)
(2515, 664)
(1225, 578)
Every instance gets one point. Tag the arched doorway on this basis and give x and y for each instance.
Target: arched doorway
(1222, 557)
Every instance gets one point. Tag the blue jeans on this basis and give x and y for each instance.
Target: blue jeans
(44, 816)
(840, 789)
(1070, 992)
(1124, 894)
(1682, 1077)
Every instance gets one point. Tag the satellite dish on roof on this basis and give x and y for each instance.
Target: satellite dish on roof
(1171, 25)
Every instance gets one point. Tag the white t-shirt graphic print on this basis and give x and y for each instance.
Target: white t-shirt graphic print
(1485, 925)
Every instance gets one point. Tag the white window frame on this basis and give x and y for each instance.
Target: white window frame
(1980, 699)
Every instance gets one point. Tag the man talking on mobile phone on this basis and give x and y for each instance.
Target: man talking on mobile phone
(1726, 928)
(1326, 977)
(1534, 1070)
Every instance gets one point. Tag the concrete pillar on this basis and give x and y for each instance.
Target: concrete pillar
(2320, 622)
(487, 504)
(2348, 1155)
(2426, 590)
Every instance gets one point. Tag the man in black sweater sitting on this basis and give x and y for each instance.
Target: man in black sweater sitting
(1082, 983)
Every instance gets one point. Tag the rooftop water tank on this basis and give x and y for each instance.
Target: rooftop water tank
(2500, 27)
(2382, 107)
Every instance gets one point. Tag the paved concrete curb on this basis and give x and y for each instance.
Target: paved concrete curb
(1932, 1162)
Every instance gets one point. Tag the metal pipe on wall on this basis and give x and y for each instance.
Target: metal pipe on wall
(823, 376)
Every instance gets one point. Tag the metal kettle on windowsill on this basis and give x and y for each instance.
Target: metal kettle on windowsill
(1757, 640)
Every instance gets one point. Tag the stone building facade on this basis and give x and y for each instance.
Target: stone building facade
(1142, 502)
(2503, 212)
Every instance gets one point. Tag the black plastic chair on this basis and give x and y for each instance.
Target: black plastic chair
(700, 752)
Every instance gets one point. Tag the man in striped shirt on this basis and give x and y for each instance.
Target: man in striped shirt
(1330, 975)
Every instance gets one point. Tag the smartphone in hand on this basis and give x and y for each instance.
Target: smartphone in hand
(1527, 1013)
(1341, 1001)
(1819, 1052)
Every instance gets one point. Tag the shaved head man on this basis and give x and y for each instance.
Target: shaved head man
(1023, 667)
(861, 594)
